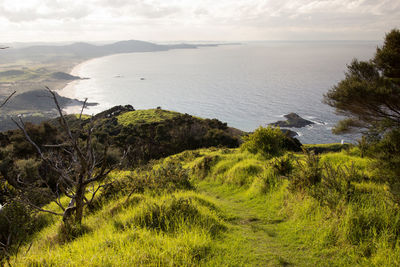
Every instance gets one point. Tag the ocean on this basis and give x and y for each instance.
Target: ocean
(247, 85)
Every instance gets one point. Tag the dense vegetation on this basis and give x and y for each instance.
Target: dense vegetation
(27, 180)
(223, 206)
(257, 204)
(195, 192)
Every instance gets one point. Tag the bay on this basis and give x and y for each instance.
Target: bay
(247, 85)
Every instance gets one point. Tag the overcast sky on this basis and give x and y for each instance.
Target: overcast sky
(164, 20)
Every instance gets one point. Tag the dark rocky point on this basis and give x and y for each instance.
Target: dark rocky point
(293, 121)
(289, 133)
(64, 76)
(40, 100)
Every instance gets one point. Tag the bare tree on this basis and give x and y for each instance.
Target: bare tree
(80, 167)
(7, 99)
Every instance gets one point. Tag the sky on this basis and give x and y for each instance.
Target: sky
(195, 20)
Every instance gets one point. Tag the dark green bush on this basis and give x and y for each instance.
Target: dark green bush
(219, 137)
(17, 223)
(387, 150)
(387, 153)
(14, 222)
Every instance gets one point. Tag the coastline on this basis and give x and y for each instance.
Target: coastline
(68, 89)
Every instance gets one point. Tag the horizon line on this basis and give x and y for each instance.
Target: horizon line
(192, 42)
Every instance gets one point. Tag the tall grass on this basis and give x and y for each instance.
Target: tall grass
(346, 211)
(344, 218)
(173, 229)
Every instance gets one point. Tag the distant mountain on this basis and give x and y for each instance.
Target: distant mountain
(46, 53)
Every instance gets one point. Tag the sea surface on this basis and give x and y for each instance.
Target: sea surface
(245, 85)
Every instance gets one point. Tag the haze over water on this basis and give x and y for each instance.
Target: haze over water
(244, 85)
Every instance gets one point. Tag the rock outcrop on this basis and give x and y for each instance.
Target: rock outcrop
(289, 133)
(293, 121)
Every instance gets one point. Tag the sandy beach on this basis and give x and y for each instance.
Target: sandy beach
(67, 89)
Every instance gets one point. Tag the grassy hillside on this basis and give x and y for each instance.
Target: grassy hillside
(146, 116)
(229, 207)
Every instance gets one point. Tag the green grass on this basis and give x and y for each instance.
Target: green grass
(26, 75)
(240, 213)
(146, 116)
(323, 148)
(174, 229)
(83, 116)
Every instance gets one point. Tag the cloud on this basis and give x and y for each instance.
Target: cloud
(32, 10)
(206, 19)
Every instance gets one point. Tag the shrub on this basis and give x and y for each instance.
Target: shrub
(388, 152)
(167, 177)
(170, 176)
(17, 223)
(283, 165)
(335, 186)
(218, 137)
(363, 145)
(28, 169)
(329, 184)
(309, 173)
(266, 141)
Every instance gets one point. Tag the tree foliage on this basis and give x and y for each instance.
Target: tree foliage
(370, 93)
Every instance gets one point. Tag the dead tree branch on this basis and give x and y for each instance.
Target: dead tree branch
(8, 98)
(77, 164)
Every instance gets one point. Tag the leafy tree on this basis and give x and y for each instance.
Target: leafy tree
(370, 93)
(370, 96)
